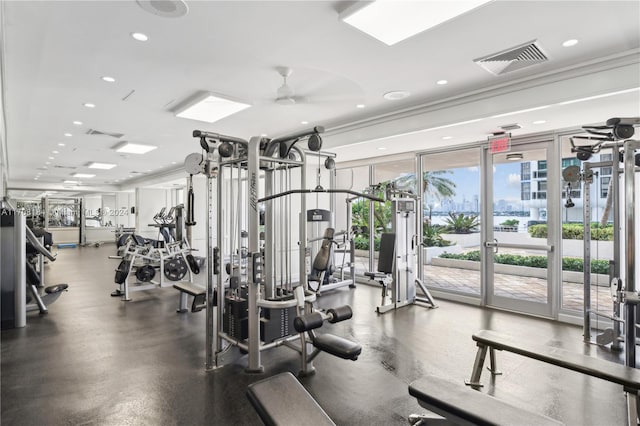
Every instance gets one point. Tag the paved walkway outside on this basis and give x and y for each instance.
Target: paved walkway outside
(513, 286)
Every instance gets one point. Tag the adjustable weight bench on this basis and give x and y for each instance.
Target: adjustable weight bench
(199, 296)
(282, 401)
(464, 406)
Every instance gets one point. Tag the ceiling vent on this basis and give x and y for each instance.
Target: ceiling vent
(64, 167)
(509, 127)
(94, 132)
(512, 59)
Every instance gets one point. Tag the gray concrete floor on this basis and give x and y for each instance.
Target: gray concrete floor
(97, 360)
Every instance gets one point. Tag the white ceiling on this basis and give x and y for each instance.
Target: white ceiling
(55, 54)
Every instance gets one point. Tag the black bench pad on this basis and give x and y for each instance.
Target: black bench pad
(190, 289)
(626, 376)
(338, 346)
(460, 404)
(282, 401)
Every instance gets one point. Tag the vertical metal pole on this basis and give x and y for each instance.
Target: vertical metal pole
(586, 219)
(419, 217)
(372, 231)
(615, 187)
(253, 180)
(303, 222)
(630, 228)
(209, 338)
(20, 285)
(219, 242)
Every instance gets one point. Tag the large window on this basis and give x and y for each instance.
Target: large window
(525, 190)
(604, 186)
(525, 171)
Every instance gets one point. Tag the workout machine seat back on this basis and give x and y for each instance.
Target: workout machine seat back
(322, 261)
(386, 257)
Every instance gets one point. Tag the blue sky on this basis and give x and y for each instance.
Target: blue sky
(506, 182)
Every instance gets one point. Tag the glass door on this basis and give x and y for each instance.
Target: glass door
(518, 267)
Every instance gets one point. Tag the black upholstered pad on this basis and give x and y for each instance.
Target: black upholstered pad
(281, 400)
(338, 346)
(627, 376)
(56, 288)
(462, 405)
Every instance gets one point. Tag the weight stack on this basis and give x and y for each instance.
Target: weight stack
(277, 323)
(235, 321)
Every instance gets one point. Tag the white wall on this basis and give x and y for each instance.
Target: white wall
(148, 203)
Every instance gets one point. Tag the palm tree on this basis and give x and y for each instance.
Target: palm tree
(435, 185)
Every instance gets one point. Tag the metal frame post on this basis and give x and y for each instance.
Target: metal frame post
(630, 229)
(586, 219)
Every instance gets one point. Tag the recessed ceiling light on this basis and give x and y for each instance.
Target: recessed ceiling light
(394, 21)
(78, 123)
(103, 166)
(539, 122)
(210, 108)
(174, 162)
(55, 152)
(140, 36)
(570, 43)
(47, 162)
(108, 79)
(51, 158)
(35, 178)
(382, 148)
(83, 175)
(395, 95)
(68, 135)
(134, 148)
(447, 137)
(360, 106)
(89, 105)
(61, 144)
(441, 82)
(304, 122)
(74, 182)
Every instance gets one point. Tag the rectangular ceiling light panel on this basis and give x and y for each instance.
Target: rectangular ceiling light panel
(210, 108)
(392, 21)
(83, 175)
(134, 148)
(102, 166)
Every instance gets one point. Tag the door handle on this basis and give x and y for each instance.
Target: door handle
(493, 244)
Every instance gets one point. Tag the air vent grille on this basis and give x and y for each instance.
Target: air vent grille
(512, 59)
(94, 132)
(64, 167)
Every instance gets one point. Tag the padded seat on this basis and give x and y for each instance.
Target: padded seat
(465, 406)
(338, 346)
(282, 400)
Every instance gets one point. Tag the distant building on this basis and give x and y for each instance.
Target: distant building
(533, 190)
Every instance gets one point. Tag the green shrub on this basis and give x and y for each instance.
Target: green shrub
(362, 243)
(431, 236)
(510, 222)
(461, 224)
(568, 263)
(575, 231)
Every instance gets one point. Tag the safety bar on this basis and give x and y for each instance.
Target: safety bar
(218, 136)
(519, 246)
(328, 191)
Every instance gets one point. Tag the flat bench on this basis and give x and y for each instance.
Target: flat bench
(464, 406)
(628, 377)
(199, 296)
(281, 400)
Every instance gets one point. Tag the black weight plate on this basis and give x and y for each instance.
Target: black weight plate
(175, 269)
(122, 272)
(145, 273)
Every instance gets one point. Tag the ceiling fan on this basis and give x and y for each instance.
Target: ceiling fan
(285, 94)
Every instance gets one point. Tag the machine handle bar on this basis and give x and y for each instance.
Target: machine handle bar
(313, 191)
